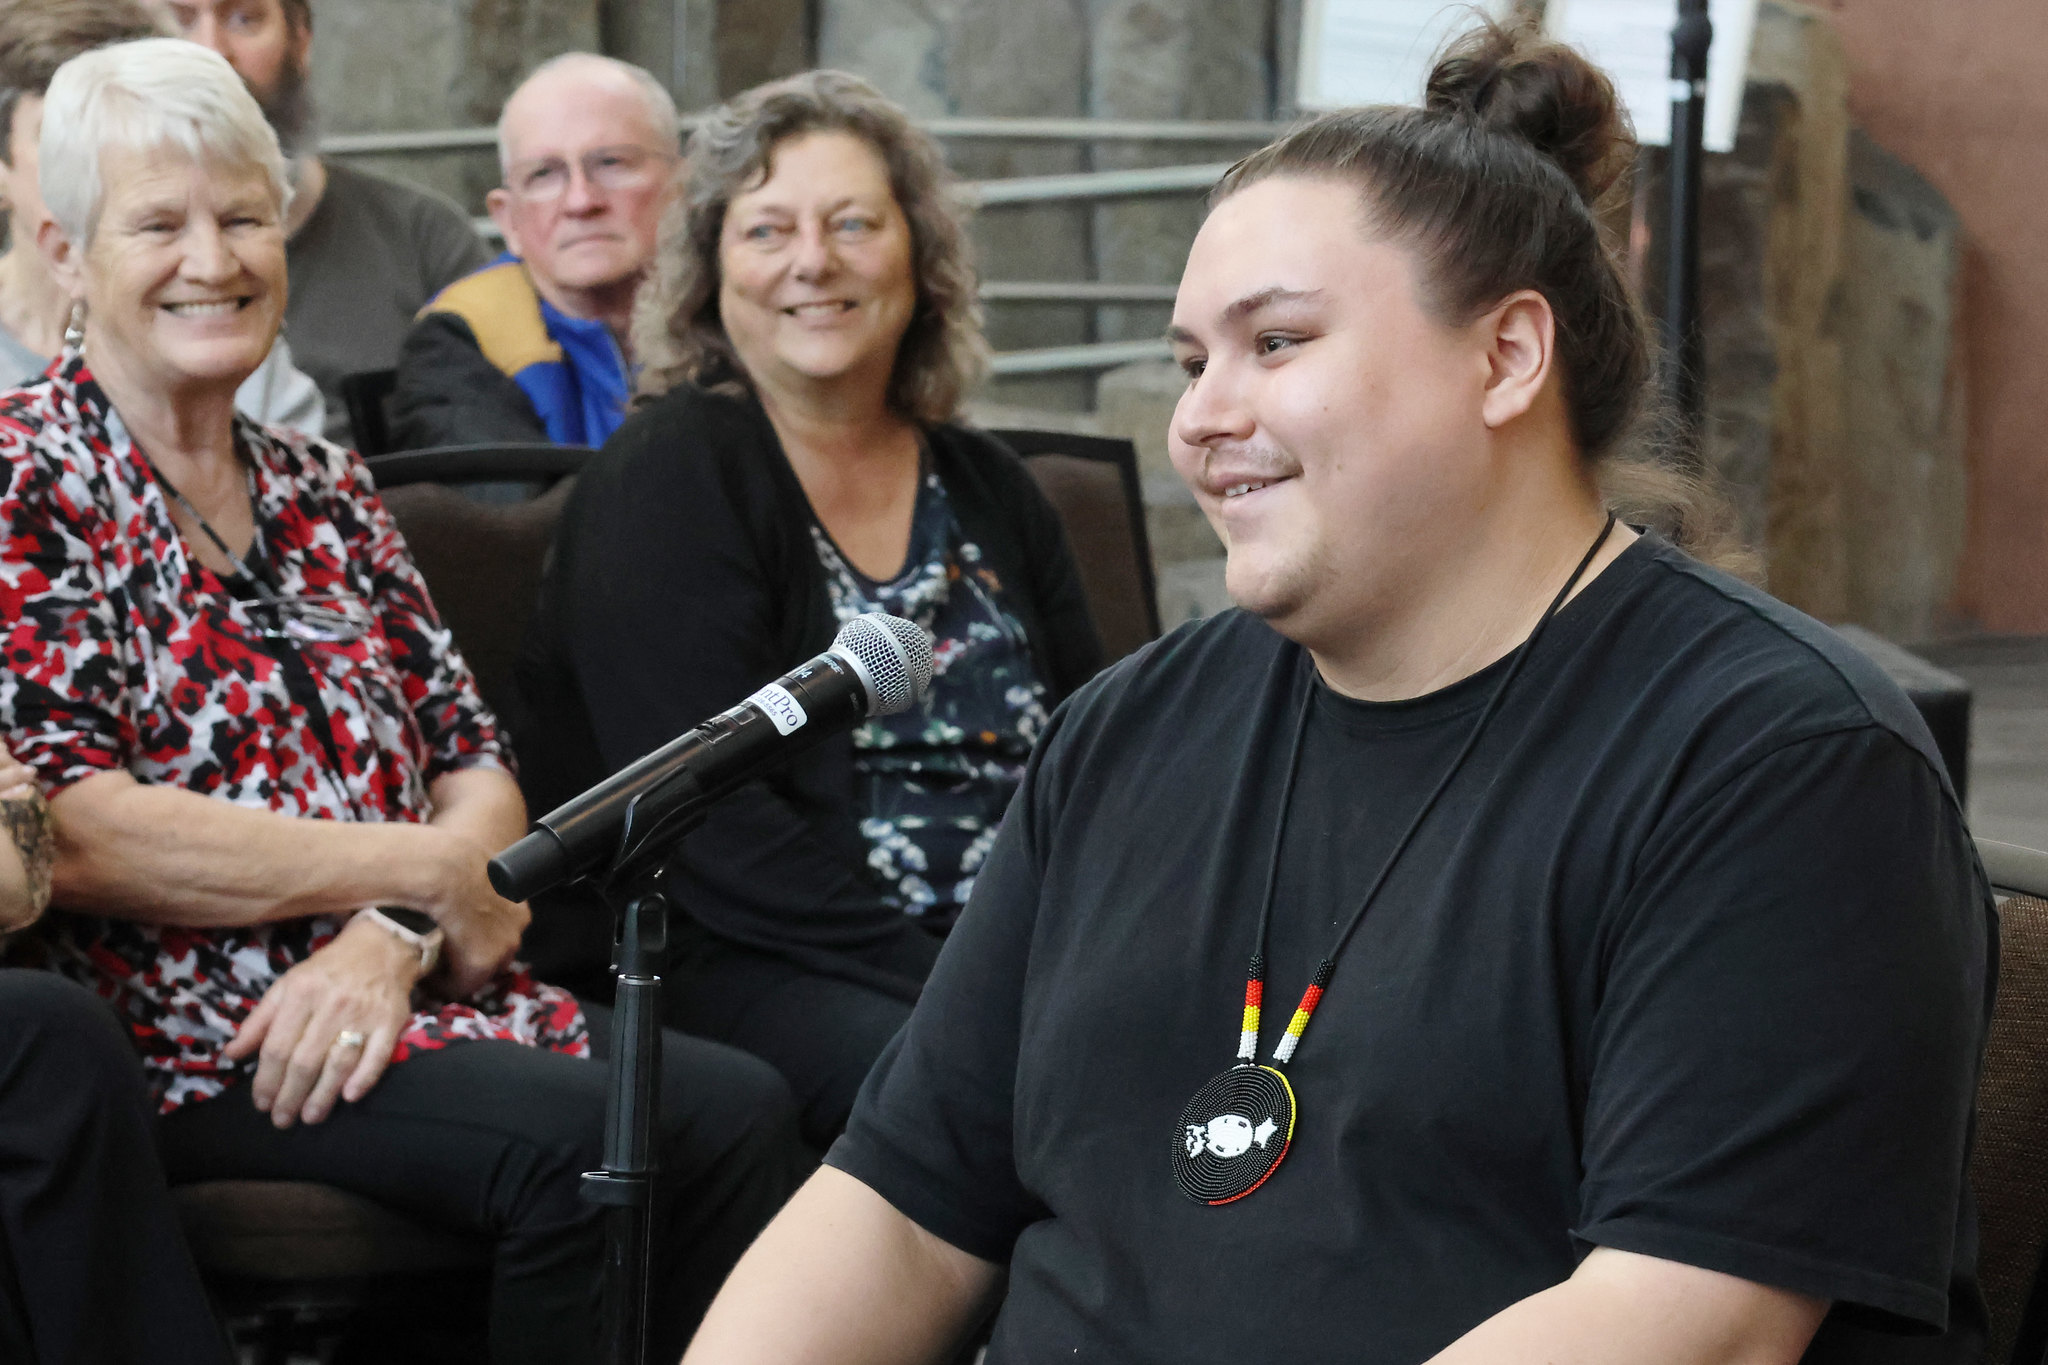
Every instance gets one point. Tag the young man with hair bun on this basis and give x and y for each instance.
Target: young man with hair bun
(1642, 954)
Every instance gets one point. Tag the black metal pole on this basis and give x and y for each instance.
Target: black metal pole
(626, 1183)
(1684, 350)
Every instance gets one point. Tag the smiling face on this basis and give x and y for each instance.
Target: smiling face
(184, 274)
(1331, 428)
(587, 177)
(815, 275)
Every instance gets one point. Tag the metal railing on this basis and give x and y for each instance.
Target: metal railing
(960, 129)
(1123, 184)
(1095, 355)
(1081, 291)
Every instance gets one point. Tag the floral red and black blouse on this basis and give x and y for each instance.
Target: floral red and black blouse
(124, 652)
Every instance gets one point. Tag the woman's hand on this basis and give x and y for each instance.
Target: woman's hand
(481, 929)
(327, 1026)
(16, 778)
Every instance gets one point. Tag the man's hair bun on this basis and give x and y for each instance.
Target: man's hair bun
(1511, 79)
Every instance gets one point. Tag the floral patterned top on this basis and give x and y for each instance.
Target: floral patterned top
(124, 652)
(936, 779)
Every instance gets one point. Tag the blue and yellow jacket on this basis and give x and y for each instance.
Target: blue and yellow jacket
(490, 360)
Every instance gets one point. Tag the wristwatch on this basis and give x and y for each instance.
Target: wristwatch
(415, 928)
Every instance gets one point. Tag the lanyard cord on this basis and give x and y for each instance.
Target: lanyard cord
(300, 684)
(1255, 976)
(241, 566)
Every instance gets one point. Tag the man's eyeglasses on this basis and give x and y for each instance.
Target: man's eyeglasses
(607, 168)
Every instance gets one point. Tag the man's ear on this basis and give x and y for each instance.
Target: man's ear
(64, 258)
(1520, 336)
(498, 203)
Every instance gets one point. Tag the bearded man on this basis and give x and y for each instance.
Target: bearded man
(365, 252)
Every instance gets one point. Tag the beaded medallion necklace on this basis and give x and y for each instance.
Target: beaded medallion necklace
(1236, 1130)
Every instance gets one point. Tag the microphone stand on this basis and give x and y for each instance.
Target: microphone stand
(1684, 348)
(625, 1183)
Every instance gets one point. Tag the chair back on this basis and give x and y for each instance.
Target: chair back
(2009, 1165)
(482, 560)
(1092, 482)
(367, 396)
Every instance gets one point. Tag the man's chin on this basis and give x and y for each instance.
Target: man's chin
(596, 271)
(290, 111)
(1267, 591)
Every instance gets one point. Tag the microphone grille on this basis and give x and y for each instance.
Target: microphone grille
(892, 655)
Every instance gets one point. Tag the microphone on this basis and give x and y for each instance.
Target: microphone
(878, 665)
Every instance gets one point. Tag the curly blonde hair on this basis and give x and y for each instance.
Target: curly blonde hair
(678, 336)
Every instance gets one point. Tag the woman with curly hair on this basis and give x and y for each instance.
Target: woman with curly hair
(807, 338)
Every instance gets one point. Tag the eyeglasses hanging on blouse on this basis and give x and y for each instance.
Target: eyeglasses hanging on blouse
(304, 619)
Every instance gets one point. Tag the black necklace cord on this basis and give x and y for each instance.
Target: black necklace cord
(299, 682)
(1248, 1046)
(241, 566)
(1283, 1052)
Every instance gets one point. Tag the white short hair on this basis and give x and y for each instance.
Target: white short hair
(661, 106)
(143, 96)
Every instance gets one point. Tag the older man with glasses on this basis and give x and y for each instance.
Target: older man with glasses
(534, 347)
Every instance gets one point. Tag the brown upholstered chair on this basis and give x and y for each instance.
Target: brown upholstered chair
(291, 1261)
(2009, 1168)
(482, 560)
(1092, 482)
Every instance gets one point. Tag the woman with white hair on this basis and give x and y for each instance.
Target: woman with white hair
(274, 782)
(36, 39)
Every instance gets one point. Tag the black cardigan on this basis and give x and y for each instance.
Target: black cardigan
(684, 578)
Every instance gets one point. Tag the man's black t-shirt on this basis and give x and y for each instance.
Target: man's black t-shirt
(1691, 960)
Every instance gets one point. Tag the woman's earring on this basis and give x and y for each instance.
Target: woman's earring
(74, 327)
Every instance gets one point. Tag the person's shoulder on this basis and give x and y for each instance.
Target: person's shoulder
(324, 471)
(973, 441)
(500, 309)
(688, 430)
(1175, 685)
(42, 437)
(986, 478)
(982, 456)
(1728, 657)
(689, 456)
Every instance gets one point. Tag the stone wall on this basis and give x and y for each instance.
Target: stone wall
(1955, 90)
(1067, 58)
(399, 65)
(1907, 495)
(1828, 277)
(992, 57)
(1168, 59)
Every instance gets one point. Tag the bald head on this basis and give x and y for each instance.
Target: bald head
(627, 97)
(589, 148)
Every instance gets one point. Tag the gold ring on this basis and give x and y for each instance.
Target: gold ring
(348, 1037)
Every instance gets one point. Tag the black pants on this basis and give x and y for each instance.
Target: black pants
(494, 1137)
(93, 1266)
(821, 1032)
